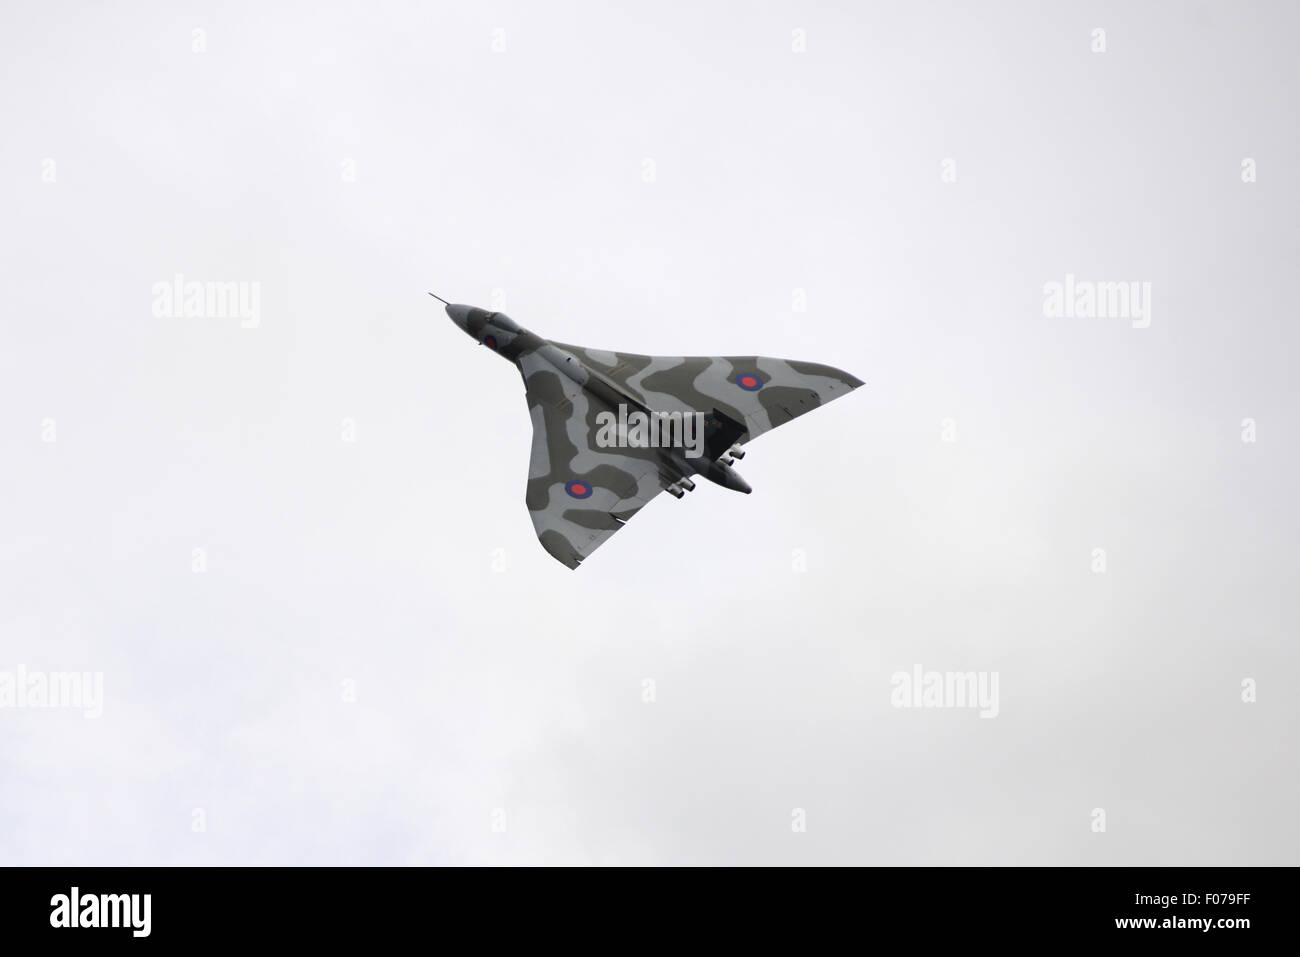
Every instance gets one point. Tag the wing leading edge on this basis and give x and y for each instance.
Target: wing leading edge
(759, 391)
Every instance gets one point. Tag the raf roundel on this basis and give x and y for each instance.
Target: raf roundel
(490, 341)
(750, 383)
(578, 489)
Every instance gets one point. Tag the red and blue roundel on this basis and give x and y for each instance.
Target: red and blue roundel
(748, 382)
(578, 488)
(490, 341)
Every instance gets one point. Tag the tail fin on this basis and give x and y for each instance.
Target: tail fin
(720, 433)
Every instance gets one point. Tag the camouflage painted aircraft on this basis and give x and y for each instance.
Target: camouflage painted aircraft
(581, 491)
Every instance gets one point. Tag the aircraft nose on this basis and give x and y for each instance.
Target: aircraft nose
(459, 315)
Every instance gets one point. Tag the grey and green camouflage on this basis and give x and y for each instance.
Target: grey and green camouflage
(581, 491)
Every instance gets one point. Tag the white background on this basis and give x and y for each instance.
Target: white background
(372, 563)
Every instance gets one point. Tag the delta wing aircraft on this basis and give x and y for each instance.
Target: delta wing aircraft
(611, 430)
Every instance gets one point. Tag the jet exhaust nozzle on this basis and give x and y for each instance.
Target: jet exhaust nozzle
(723, 474)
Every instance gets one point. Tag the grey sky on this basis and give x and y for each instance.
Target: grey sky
(348, 158)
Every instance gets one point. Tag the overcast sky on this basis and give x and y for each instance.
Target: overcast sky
(370, 659)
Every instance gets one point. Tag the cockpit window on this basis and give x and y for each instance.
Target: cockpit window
(504, 322)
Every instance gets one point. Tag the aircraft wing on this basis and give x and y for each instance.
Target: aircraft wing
(762, 393)
(579, 495)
